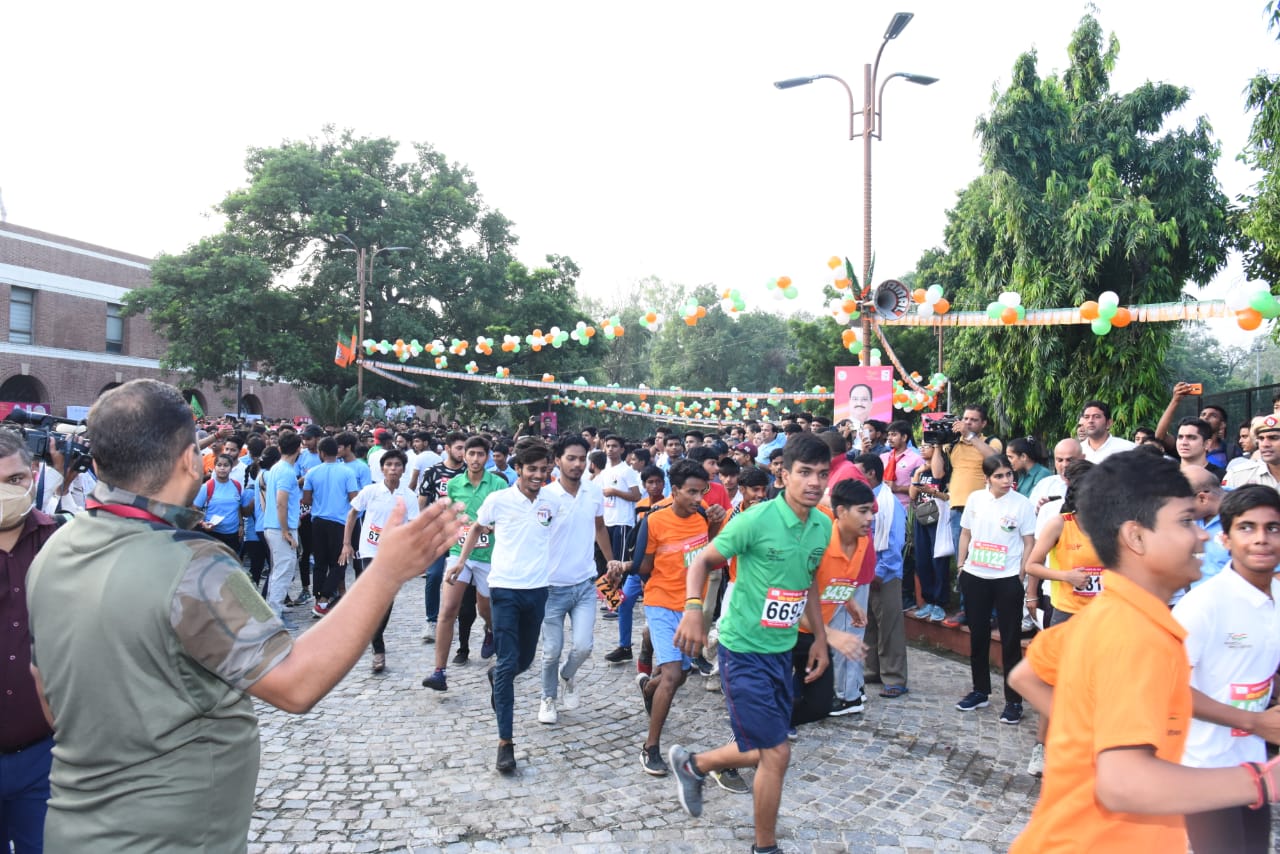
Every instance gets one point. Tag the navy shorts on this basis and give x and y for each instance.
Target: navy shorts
(758, 692)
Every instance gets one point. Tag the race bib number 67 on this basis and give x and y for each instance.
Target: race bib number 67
(783, 608)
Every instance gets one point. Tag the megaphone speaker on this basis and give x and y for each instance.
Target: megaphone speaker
(891, 300)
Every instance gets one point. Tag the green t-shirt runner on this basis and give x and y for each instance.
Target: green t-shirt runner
(473, 495)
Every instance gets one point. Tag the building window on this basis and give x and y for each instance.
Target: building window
(21, 315)
(115, 329)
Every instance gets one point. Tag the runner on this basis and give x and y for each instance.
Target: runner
(433, 486)
(675, 536)
(779, 545)
(470, 490)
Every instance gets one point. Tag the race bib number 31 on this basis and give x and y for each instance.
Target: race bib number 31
(1093, 584)
(783, 608)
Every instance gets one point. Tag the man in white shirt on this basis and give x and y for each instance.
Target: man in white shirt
(423, 459)
(572, 590)
(620, 485)
(522, 520)
(1095, 424)
(1266, 469)
(1233, 643)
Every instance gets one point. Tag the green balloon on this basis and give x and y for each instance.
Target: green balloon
(994, 310)
(1022, 312)
(1100, 325)
(1261, 301)
(1272, 310)
(855, 347)
(791, 293)
(1107, 311)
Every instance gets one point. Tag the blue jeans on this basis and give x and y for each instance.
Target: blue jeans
(24, 794)
(517, 621)
(934, 573)
(632, 587)
(578, 601)
(848, 673)
(435, 576)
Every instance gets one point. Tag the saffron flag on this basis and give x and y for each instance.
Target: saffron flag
(342, 356)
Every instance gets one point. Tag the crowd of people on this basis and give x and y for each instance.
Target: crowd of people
(776, 561)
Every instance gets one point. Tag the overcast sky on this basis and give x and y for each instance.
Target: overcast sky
(638, 139)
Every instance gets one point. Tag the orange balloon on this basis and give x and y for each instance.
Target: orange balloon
(1089, 310)
(590, 331)
(841, 284)
(784, 282)
(1122, 318)
(942, 306)
(651, 317)
(691, 320)
(1249, 319)
(834, 262)
(849, 306)
(1009, 315)
(618, 331)
(919, 295)
(847, 337)
(702, 312)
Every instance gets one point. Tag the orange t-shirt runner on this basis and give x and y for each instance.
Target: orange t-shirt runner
(674, 543)
(838, 575)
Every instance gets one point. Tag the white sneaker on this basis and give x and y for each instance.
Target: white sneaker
(547, 713)
(713, 638)
(1036, 766)
(429, 633)
(569, 694)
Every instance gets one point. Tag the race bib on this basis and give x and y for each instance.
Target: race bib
(1093, 584)
(482, 541)
(1251, 698)
(691, 553)
(610, 501)
(839, 591)
(783, 608)
(372, 537)
(988, 556)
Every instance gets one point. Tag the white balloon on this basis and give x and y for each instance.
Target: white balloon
(1011, 298)
(777, 293)
(841, 318)
(1238, 299)
(925, 309)
(1109, 298)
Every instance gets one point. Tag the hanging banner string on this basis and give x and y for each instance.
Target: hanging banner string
(579, 388)
(1168, 312)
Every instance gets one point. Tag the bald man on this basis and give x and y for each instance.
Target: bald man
(1054, 486)
(1208, 495)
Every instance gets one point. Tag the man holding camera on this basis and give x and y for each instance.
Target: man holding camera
(148, 639)
(966, 452)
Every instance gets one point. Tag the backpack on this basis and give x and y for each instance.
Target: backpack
(208, 489)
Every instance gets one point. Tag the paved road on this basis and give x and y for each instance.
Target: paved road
(383, 764)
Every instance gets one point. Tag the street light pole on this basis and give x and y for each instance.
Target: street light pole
(363, 277)
(871, 129)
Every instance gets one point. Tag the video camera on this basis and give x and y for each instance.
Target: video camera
(45, 434)
(943, 431)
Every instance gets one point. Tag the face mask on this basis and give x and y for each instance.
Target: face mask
(15, 503)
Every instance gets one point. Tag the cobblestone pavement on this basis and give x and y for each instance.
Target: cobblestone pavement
(383, 764)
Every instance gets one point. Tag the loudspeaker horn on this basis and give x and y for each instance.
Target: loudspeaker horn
(891, 300)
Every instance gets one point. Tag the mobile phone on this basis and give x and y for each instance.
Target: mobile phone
(1196, 388)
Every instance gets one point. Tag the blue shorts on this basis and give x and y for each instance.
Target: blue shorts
(758, 691)
(663, 623)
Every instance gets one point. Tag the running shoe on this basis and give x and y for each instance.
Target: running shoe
(379, 662)
(652, 762)
(319, 609)
(461, 656)
(704, 667)
(1036, 766)
(436, 681)
(619, 655)
(731, 781)
(506, 758)
(569, 694)
(956, 621)
(924, 612)
(642, 680)
(429, 632)
(688, 782)
(938, 614)
(713, 638)
(1012, 714)
(792, 733)
(848, 707)
(303, 598)
(974, 700)
(547, 713)
(486, 646)
(609, 615)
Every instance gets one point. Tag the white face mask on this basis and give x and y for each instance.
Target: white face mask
(15, 503)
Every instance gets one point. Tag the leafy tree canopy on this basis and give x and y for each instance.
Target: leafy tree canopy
(1082, 191)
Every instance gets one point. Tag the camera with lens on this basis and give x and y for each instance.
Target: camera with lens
(943, 431)
(45, 434)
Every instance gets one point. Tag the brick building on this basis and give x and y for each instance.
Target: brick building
(66, 342)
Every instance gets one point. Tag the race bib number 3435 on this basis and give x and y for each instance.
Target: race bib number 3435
(783, 608)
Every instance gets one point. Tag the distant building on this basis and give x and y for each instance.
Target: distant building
(66, 341)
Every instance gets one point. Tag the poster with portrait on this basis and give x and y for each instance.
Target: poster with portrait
(864, 392)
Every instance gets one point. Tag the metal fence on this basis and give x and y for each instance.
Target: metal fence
(1241, 405)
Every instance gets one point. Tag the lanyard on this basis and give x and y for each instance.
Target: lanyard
(125, 511)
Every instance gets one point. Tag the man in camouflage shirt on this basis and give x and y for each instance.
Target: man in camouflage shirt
(148, 639)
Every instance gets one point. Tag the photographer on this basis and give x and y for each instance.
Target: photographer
(966, 451)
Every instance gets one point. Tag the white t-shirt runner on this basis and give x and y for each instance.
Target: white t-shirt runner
(618, 511)
(573, 560)
(996, 528)
(522, 532)
(376, 502)
(1233, 644)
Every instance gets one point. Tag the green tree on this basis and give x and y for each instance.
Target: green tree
(290, 226)
(1081, 192)
(1259, 215)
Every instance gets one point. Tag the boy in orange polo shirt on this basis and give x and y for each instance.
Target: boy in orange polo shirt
(1117, 680)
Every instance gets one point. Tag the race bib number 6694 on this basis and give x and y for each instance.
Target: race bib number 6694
(783, 608)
